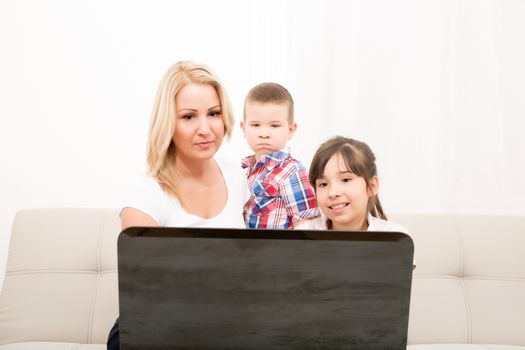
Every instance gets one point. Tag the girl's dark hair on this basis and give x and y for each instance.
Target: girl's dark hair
(358, 158)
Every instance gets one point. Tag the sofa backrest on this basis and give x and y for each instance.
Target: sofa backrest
(61, 276)
(469, 283)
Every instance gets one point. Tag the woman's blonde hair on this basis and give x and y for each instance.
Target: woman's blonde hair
(161, 149)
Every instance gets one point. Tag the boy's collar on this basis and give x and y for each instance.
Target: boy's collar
(269, 160)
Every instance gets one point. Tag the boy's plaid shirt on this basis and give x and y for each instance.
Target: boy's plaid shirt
(280, 194)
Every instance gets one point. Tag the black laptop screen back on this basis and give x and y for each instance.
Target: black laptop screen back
(182, 288)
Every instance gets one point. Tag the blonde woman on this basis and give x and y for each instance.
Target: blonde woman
(186, 185)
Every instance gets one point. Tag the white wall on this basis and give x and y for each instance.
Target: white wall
(437, 88)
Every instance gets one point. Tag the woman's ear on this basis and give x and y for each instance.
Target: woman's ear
(373, 186)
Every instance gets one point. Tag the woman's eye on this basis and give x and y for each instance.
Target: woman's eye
(215, 113)
(187, 116)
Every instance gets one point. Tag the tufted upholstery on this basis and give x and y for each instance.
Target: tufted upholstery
(60, 288)
(469, 285)
(61, 279)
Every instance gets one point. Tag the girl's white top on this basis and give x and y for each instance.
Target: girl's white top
(374, 224)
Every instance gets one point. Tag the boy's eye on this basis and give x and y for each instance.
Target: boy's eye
(347, 179)
(255, 125)
(275, 125)
(321, 184)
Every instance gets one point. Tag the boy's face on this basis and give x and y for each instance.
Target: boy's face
(266, 127)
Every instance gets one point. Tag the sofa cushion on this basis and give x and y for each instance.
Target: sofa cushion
(60, 288)
(52, 346)
(61, 278)
(463, 347)
(469, 283)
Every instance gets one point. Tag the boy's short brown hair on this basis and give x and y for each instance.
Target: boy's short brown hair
(271, 93)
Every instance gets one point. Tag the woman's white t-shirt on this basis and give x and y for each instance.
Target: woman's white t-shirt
(148, 197)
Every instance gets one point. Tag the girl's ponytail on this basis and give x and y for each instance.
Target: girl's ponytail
(375, 209)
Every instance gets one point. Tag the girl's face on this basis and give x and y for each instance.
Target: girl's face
(199, 127)
(343, 196)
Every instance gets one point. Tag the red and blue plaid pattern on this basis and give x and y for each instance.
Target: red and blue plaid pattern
(280, 194)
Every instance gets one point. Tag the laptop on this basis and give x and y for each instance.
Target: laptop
(202, 288)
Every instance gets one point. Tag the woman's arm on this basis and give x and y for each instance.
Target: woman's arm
(134, 217)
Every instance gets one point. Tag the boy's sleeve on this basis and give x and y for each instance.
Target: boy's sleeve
(299, 196)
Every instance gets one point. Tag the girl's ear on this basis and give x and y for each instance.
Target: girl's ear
(373, 186)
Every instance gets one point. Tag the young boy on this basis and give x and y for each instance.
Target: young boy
(280, 194)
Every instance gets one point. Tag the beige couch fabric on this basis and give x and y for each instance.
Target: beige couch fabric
(60, 288)
(469, 285)
(61, 278)
(463, 347)
(52, 346)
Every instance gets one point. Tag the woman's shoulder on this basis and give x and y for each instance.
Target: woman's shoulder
(144, 184)
(236, 184)
(146, 195)
(233, 174)
(146, 180)
(229, 167)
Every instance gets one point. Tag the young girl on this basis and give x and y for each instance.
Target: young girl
(344, 175)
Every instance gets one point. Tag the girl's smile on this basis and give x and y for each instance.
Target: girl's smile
(336, 207)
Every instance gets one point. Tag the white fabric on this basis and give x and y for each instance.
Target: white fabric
(374, 224)
(463, 347)
(148, 197)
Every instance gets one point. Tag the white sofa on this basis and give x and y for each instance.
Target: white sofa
(60, 287)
